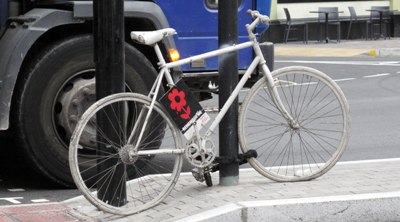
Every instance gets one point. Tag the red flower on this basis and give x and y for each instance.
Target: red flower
(177, 99)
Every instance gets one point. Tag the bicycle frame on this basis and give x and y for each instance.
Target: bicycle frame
(165, 71)
(258, 60)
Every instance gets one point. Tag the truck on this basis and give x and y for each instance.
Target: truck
(47, 73)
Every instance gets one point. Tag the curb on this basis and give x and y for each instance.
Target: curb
(357, 207)
(386, 52)
(336, 52)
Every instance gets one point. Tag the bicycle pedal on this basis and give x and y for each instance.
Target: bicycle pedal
(198, 174)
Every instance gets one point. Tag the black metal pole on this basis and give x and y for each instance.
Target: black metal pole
(108, 30)
(228, 79)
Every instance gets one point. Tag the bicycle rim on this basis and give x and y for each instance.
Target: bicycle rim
(110, 173)
(287, 153)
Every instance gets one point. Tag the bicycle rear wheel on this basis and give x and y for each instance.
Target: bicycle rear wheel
(112, 174)
(288, 153)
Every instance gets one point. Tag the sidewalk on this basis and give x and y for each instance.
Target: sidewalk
(351, 191)
(346, 48)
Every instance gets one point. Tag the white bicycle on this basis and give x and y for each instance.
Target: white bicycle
(127, 151)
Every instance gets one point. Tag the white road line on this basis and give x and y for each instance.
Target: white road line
(368, 161)
(28, 205)
(377, 75)
(13, 200)
(346, 79)
(361, 63)
(40, 201)
(16, 190)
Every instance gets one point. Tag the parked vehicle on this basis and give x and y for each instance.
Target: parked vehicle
(47, 69)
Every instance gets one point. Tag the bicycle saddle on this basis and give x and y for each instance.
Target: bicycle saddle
(151, 37)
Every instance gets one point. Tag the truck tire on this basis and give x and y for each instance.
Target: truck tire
(53, 92)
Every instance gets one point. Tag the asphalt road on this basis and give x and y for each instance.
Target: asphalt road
(372, 89)
(370, 85)
(19, 184)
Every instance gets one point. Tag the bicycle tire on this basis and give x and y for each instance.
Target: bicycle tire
(128, 183)
(285, 153)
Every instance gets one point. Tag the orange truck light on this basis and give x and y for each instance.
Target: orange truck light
(174, 54)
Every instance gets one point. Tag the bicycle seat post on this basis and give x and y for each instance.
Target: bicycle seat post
(161, 60)
(161, 64)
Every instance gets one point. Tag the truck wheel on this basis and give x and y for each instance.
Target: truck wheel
(54, 91)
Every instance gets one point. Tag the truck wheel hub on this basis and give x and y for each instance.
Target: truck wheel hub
(75, 97)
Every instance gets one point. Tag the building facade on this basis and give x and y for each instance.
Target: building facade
(300, 10)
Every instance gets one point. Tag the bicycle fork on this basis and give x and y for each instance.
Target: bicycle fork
(277, 100)
(270, 81)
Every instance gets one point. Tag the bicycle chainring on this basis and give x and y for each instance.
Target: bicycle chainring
(200, 157)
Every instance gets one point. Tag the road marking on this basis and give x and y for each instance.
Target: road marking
(377, 75)
(16, 190)
(345, 79)
(40, 201)
(13, 200)
(368, 161)
(360, 63)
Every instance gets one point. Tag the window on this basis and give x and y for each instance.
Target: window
(213, 4)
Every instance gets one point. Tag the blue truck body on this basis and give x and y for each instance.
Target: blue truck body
(198, 29)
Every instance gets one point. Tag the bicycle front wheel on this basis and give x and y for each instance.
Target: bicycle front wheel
(295, 153)
(120, 177)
